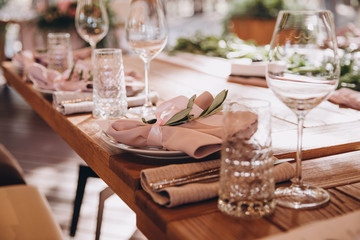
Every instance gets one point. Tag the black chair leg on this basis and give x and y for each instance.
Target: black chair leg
(84, 173)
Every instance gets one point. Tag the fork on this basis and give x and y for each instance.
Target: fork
(208, 175)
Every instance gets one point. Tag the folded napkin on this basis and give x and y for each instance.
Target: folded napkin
(193, 192)
(254, 81)
(79, 78)
(197, 138)
(73, 102)
(22, 61)
(76, 79)
(346, 97)
(81, 102)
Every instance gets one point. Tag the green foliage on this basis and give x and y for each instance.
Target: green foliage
(184, 116)
(216, 105)
(350, 70)
(55, 19)
(228, 46)
(2, 3)
(260, 9)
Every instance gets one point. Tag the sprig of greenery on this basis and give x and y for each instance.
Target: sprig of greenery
(184, 115)
(71, 72)
(216, 105)
(227, 46)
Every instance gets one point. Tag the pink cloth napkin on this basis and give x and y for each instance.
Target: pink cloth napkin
(346, 97)
(22, 61)
(48, 79)
(80, 78)
(198, 138)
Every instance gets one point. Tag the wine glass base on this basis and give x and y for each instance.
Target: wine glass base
(300, 197)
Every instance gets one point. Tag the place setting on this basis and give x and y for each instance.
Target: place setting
(67, 76)
(240, 130)
(199, 136)
(186, 129)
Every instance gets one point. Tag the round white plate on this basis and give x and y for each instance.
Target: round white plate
(150, 152)
(133, 101)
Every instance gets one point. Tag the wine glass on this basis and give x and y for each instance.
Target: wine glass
(146, 34)
(91, 21)
(303, 70)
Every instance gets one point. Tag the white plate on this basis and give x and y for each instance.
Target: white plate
(133, 101)
(150, 152)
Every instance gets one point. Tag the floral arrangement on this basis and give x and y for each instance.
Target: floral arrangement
(60, 15)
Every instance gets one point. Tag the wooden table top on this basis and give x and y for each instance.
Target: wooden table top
(331, 143)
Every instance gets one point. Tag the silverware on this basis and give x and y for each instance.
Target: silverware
(208, 175)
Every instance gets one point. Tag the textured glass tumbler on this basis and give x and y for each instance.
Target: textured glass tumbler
(246, 174)
(59, 51)
(109, 92)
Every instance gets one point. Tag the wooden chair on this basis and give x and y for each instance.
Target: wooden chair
(25, 213)
(10, 170)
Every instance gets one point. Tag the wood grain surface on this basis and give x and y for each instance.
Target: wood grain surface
(331, 141)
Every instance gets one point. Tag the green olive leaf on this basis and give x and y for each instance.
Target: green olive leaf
(183, 115)
(151, 121)
(71, 72)
(215, 105)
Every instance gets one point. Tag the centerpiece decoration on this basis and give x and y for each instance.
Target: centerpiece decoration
(60, 17)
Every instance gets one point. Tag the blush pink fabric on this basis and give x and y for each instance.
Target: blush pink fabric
(346, 97)
(47, 79)
(197, 138)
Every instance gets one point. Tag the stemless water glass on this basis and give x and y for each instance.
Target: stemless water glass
(59, 51)
(109, 92)
(303, 70)
(246, 175)
(146, 34)
(91, 21)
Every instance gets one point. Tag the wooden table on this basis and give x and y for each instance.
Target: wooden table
(331, 141)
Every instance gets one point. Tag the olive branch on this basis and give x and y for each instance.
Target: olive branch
(184, 115)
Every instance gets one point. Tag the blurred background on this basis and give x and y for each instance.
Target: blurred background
(25, 23)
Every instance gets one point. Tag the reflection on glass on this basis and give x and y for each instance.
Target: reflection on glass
(91, 21)
(303, 70)
(146, 34)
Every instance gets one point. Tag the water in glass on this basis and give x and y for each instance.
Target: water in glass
(303, 71)
(109, 93)
(246, 175)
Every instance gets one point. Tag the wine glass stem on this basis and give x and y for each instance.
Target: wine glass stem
(298, 174)
(93, 47)
(147, 89)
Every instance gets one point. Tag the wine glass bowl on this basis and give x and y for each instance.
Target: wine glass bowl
(303, 70)
(146, 34)
(91, 21)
